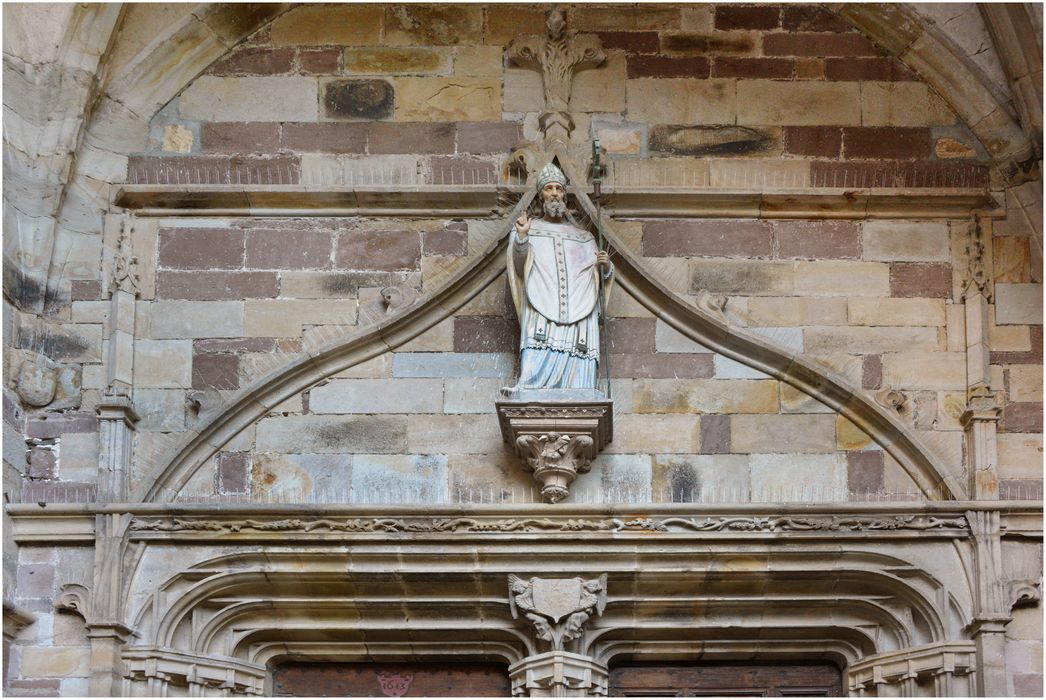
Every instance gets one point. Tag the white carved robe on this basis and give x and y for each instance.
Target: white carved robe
(555, 286)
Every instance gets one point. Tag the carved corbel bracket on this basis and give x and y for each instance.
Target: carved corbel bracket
(556, 440)
(557, 56)
(1025, 593)
(74, 598)
(558, 608)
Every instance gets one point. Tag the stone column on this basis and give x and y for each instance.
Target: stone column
(991, 610)
(558, 674)
(107, 642)
(981, 418)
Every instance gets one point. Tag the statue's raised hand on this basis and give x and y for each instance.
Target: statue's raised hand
(523, 226)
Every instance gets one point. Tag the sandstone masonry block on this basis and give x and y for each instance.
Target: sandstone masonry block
(896, 312)
(163, 364)
(742, 277)
(664, 434)
(709, 477)
(474, 395)
(457, 434)
(600, 89)
(901, 104)
(287, 250)
(452, 365)
(810, 478)
(694, 101)
(403, 60)
(796, 311)
(201, 248)
(714, 396)
(870, 339)
(365, 99)
(668, 67)
(325, 137)
(211, 286)
(378, 250)
(447, 99)
(932, 280)
(197, 319)
(1018, 304)
(1025, 383)
(239, 137)
(217, 371)
(910, 241)
(925, 370)
(669, 340)
(329, 25)
(817, 239)
(661, 365)
(798, 103)
(842, 278)
(864, 472)
(415, 137)
(333, 435)
(378, 396)
(56, 662)
(433, 25)
(823, 141)
(783, 433)
(707, 238)
(281, 318)
(257, 99)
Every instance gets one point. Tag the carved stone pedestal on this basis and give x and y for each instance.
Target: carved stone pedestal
(558, 674)
(557, 434)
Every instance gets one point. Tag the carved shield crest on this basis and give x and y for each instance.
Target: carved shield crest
(37, 382)
(394, 685)
(557, 598)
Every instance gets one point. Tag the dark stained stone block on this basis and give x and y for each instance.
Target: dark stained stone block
(56, 425)
(42, 463)
(706, 45)
(715, 434)
(886, 142)
(444, 242)
(933, 280)
(767, 68)
(234, 470)
(709, 140)
(808, 18)
(378, 250)
(255, 60)
(485, 334)
(320, 61)
(86, 290)
(411, 137)
(633, 42)
(667, 67)
(288, 250)
(218, 371)
(239, 137)
(813, 44)
(201, 248)
(818, 239)
(748, 238)
(324, 137)
(631, 336)
(488, 137)
(871, 372)
(864, 472)
(1022, 417)
(747, 17)
(824, 141)
(211, 286)
(884, 69)
(358, 99)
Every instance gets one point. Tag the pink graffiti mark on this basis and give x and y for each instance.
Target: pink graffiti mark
(394, 685)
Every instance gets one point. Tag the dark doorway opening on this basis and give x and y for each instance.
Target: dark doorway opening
(726, 679)
(378, 680)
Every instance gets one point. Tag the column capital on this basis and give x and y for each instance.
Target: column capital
(558, 674)
(117, 407)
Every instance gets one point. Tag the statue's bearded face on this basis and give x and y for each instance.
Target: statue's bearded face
(555, 202)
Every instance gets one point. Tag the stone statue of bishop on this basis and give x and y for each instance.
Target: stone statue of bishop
(555, 270)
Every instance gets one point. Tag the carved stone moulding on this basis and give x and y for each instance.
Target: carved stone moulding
(556, 434)
(558, 674)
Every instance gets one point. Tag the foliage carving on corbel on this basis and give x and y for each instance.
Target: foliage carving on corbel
(74, 598)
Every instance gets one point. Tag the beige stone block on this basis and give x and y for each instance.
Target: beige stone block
(842, 278)
(955, 322)
(918, 241)
(798, 103)
(848, 436)
(805, 478)
(870, 339)
(796, 311)
(655, 434)
(90, 311)
(493, 477)
(1017, 304)
(56, 662)
(455, 434)
(600, 89)
(78, 457)
(494, 300)
(376, 367)
(479, 61)
(795, 401)
(523, 90)
(375, 60)
(925, 370)
(447, 99)
(895, 479)
(630, 233)
(476, 394)
(1025, 383)
(782, 433)
(439, 338)
(746, 277)
(433, 25)
(698, 18)
(196, 319)
(1020, 456)
(1007, 338)
(897, 312)
(251, 99)
(950, 407)
(163, 364)
(621, 304)
(704, 396)
(284, 318)
(902, 104)
(329, 25)
(693, 101)
(625, 140)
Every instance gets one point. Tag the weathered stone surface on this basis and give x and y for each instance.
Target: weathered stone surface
(329, 25)
(433, 25)
(239, 137)
(813, 141)
(447, 99)
(848, 436)
(1018, 417)
(378, 396)
(814, 44)
(864, 472)
(610, 17)
(726, 368)
(842, 278)
(694, 101)
(378, 250)
(925, 370)
(472, 395)
(163, 363)
(287, 249)
(418, 138)
(201, 249)
(488, 137)
(328, 137)
(769, 68)
(357, 99)
(452, 365)
(762, 102)
(817, 239)
(669, 340)
(924, 241)
(600, 89)
(210, 286)
(809, 68)
(896, 312)
(810, 478)
(250, 99)
(483, 334)
(921, 280)
(707, 238)
(741, 277)
(886, 142)
(881, 69)
(56, 662)
(217, 371)
(902, 104)
(196, 319)
(705, 43)
(1018, 304)
(505, 22)
(1020, 455)
(1025, 383)
(783, 433)
(704, 396)
(333, 434)
(254, 60)
(456, 434)
(631, 42)
(664, 434)
(281, 318)
(661, 365)
(710, 140)
(47, 426)
(668, 67)
(715, 434)
(1011, 259)
(862, 339)
(687, 478)
(796, 311)
(810, 18)
(320, 61)
(395, 59)
(444, 242)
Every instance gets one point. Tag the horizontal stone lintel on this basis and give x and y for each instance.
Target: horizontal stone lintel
(483, 200)
(248, 521)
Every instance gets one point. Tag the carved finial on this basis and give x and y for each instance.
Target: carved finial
(74, 598)
(557, 55)
(125, 265)
(558, 608)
